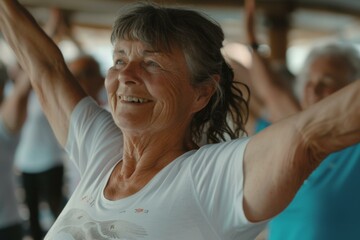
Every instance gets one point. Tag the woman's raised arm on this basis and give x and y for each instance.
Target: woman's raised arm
(281, 157)
(43, 62)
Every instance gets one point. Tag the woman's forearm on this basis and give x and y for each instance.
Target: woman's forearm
(334, 122)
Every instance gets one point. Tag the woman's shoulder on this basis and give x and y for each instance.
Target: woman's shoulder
(221, 147)
(87, 114)
(217, 154)
(88, 106)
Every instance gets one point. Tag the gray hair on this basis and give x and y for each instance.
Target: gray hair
(346, 52)
(201, 40)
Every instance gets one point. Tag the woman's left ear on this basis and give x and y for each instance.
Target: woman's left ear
(205, 92)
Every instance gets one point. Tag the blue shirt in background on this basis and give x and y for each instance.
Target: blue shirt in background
(327, 206)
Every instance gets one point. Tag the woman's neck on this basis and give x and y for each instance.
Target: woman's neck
(147, 154)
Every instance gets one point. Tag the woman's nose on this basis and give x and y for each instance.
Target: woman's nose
(130, 74)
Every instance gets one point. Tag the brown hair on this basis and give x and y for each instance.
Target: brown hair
(201, 40)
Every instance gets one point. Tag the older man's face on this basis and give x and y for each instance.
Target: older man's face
(326, 75)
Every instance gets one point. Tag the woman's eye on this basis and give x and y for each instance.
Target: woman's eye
(119, 62)
(152, 64)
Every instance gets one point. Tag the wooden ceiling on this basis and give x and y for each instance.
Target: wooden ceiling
(311, 16)
(343, 6)
(309, 20)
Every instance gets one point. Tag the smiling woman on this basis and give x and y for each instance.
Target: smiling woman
(161, 85)
(171, 29)
(144, 175)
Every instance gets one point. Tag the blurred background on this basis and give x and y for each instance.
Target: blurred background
(288, 27)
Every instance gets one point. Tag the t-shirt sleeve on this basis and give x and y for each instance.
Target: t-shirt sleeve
(91, 132)
(218, 180)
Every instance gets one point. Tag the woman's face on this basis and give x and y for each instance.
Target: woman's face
(150, 90)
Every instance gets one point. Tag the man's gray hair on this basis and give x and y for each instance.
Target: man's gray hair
(339, 50)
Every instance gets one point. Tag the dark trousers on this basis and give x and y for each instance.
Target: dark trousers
(46, 186)
(13, 232)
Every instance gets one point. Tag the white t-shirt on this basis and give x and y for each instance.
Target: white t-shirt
(198, 196)
(9, 213)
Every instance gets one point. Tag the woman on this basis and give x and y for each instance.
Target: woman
(143, 175)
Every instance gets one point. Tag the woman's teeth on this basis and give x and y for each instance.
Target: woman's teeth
(133, 99)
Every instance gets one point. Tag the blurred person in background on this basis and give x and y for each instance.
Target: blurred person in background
(86, 70)
(12, 118)
(324, 206)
